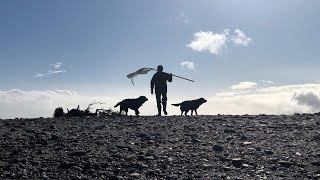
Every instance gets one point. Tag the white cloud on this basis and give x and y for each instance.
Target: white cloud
(56, 65)
(267, 81)
(244, 86)
(50, 72)
(210, 42)
(214, 43)
(187, 64)
(240, 38)
(272, 100)
(29, 104)
(183, 18)
(304, 98)
(309, 98)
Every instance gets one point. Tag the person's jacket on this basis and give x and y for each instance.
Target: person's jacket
(159, 81)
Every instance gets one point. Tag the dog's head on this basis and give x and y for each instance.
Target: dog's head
(202, 100)
(142, 99)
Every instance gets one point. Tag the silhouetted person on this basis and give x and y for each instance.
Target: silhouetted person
(159, 83)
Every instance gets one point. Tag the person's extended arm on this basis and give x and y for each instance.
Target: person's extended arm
(169, 77)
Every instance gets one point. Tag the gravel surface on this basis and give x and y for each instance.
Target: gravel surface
(173, 147)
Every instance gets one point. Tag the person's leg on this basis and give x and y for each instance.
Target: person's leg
(158, 97)
(164, 102)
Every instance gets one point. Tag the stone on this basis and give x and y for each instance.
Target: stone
(237, 162)
(316, 163)
(229, 131)
(243, 137)
(135, 175)
(247, 143)
(217, 148)
(268, 152)
(78, 153)
(285, 163)
(195, 141)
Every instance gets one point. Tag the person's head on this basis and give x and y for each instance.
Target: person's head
(160, 68)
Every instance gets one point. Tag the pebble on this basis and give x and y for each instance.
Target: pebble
(136, 175)
(247, 143)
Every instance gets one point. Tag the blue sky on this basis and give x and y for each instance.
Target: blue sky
(100, 42)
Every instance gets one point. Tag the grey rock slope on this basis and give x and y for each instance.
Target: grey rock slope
(202, 147)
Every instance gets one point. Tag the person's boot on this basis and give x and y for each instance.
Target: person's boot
(165, 109)
(159, 110)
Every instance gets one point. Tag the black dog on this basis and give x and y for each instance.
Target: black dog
(192, 105)
(133, 104)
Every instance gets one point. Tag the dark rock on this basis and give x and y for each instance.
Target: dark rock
(227, 168)
(66, 165)
(237, 162)
(195, 141)
(243, 137)
(229, 131)
(316, 163)
(217, 148)
(54, 137)
(268, 152)
(30, 131)
(78, 153)
(285, 163)
(52, 127)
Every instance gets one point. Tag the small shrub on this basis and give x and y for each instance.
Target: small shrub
(75, 112)
(58, 112)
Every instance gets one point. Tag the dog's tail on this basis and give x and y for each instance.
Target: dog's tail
(176, 104)
(118, 104)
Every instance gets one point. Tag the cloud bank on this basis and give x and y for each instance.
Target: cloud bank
(214, 43)
(29, 104)
(289, 99)
(244, 86)
(271, 100)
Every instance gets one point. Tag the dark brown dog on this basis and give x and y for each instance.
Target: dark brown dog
(192, 105)
(133, 104)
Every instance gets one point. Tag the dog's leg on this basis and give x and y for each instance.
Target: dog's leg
(137, 112)
(121, 109)
(181, 113)
(126, 110)
(186, 112)
(191, 112)
(196, 112)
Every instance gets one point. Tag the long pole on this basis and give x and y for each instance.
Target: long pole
(182, 78)
(178, 76)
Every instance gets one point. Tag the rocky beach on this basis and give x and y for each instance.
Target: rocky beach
(172, 147)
